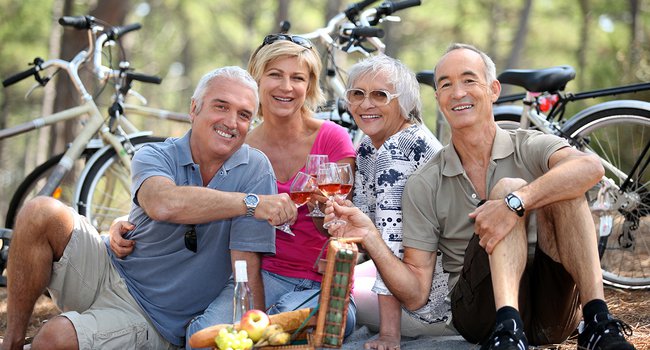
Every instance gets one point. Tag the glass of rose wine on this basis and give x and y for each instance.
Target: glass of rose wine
(314, 161)
(329, 182)
(300, 192)
(347, 180)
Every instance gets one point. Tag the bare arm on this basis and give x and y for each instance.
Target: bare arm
(162, 200)
(571, 174)
(254, 269)
(409, 279)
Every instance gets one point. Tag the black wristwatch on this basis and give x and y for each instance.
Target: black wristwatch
(251, 200)
(515, 204)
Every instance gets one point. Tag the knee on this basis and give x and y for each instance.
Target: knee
(505, 186)
(57, 333)
(42, 213)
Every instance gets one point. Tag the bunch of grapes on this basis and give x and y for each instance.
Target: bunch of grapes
(230, 339)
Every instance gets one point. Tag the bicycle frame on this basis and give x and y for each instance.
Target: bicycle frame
(92, 126)
(548, 123)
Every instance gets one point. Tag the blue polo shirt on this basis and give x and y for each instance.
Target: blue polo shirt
(171, 283)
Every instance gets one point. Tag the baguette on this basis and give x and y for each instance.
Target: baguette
(292, 320)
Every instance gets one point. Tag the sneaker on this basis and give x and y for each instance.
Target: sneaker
(506, 336)
(603, 333)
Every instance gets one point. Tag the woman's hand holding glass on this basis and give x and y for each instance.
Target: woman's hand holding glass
(300, 192)
(314, 161)
(329, 182)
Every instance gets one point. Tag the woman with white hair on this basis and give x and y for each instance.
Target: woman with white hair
(383, 96)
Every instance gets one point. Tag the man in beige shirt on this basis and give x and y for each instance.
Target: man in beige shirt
(481, 200)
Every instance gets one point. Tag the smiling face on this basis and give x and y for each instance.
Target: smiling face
(378, 122)
(283, 87)
(220, 126)
(464, 95)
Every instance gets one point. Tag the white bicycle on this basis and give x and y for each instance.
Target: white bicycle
(104, 145)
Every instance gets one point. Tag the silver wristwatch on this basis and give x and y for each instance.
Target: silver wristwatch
(251, 200)
(515, 204)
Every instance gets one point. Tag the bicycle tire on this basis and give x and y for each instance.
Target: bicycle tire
(619, 134)
(507, 121)
(105, 192)
(30, 186)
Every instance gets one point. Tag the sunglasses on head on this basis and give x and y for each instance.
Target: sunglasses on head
(377, 97)
(190, 238)
(271, 38)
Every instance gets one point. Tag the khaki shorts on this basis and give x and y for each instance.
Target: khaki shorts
(94, 297)
(548, 299)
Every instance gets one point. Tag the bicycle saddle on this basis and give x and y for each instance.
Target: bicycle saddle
(539, 80)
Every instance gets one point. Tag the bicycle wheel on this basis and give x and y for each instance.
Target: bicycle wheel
(105, 192)
(33, 183)
(507, 121)
(619, 136)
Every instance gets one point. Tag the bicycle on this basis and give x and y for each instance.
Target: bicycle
(618, 132)
(352, 30)
(106, 144)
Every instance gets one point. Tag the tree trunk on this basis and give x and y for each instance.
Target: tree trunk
(519, 41)
(583, 43)
(49, 93)
(636, 36)
(110, 11)
(494, 8)
(282, 14)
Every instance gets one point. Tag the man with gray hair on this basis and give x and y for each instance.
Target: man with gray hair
(200, 202)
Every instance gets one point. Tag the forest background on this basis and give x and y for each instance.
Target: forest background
(605, 41)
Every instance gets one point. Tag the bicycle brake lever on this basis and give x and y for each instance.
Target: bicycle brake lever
(29, 92)
(36, 85)
(391, 19)
(137, 95)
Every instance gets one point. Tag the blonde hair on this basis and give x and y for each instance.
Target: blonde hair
(266, 54)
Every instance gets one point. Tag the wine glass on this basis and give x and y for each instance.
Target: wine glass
(329, 182)
(347, 180)
(314, 161)
(300, 192)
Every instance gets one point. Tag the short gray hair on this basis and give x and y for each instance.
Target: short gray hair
(399, 76)
(490, 67)
(228, 72)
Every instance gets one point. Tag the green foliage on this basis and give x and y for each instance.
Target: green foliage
(181, 40)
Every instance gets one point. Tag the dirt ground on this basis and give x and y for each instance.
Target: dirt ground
(633, 307)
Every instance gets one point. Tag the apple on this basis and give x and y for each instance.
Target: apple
(254, 322)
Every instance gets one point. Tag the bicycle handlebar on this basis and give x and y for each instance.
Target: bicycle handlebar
(388, 8)
(78, 22)
(152, 79)
(361, 29)
(353, 11)
(364, 32)
(20, 76)
(117, 32)
(96, 43)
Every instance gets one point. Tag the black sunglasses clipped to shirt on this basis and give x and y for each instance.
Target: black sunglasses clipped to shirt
(190, 238)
